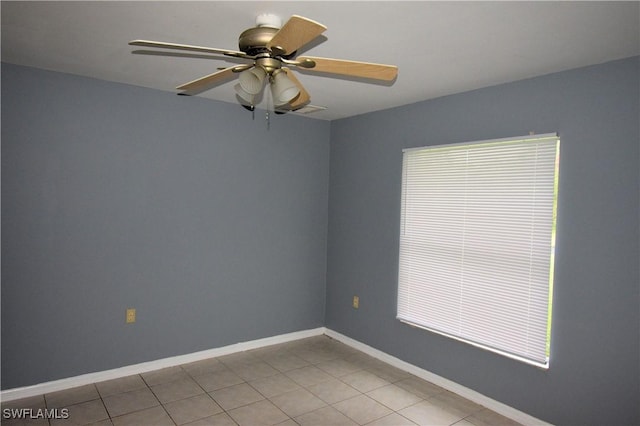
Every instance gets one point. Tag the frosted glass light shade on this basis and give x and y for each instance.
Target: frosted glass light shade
(247, 98)
(283, 89)
(252, 80)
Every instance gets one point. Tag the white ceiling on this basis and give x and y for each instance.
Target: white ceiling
(440, 48)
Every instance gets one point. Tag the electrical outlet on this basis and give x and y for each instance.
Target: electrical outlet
(356, 302)
(131, 315)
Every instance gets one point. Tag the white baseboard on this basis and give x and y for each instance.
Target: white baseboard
(116, 373)
(447, 384)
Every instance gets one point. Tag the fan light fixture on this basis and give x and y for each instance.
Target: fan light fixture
(251, 83)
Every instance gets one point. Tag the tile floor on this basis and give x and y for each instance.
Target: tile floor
(314, 381)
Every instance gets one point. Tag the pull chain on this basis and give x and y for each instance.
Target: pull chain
(269, 107)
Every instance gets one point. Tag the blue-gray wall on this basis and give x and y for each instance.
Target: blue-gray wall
(213, 227)
(594, 373)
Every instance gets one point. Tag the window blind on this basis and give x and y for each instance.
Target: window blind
(476, 243)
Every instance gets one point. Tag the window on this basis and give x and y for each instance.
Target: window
(477, 240)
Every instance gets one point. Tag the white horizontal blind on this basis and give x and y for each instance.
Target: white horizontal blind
(476, 242)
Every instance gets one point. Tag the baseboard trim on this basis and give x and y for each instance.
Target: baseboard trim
(447, 384)
(116, 373)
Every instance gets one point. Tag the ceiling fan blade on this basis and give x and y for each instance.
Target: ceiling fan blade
(303, 97)
(352, 68)
(207, 82)
(176, 46)
(294, 34)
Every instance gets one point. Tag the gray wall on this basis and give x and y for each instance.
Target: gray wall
(594, 373)
(115, 196)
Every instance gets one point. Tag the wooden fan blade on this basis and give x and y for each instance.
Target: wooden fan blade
(303, 97)
(176, 46)
(207, 82)
(294, 34)
(352, 68)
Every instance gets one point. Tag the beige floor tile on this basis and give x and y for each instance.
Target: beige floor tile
(419, 387)
(205, 366)
(176, 390)
(30, 402)
(332, 391)
(238, 359)
(83, 414)
(389, 373)
(105, 422)
(155, 416)
(324, 417)
(258, 414)
(342, 349)
(463, 422)
(164, 375)
(25, 421)
(394, 397)
(298, 402)
(254, 370)
(221, 419)
(425, 413)
(338, 367)
(364, 381)
(314, 356)
(375, 363)
(295, 344)
(360, 359)
(236, 396)
(72, 396)
(192, 409)
(123, 384)
(285, 362)
(455, 404)
(393, 419)
(128, 402)
(218, 380)
(274, 385)
(362, 409)
(269, 351)
(487, 417)
(307, 376)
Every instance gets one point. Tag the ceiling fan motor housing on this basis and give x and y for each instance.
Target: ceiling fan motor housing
(254, 41)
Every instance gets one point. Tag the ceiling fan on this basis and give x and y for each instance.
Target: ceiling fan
(271, 51)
